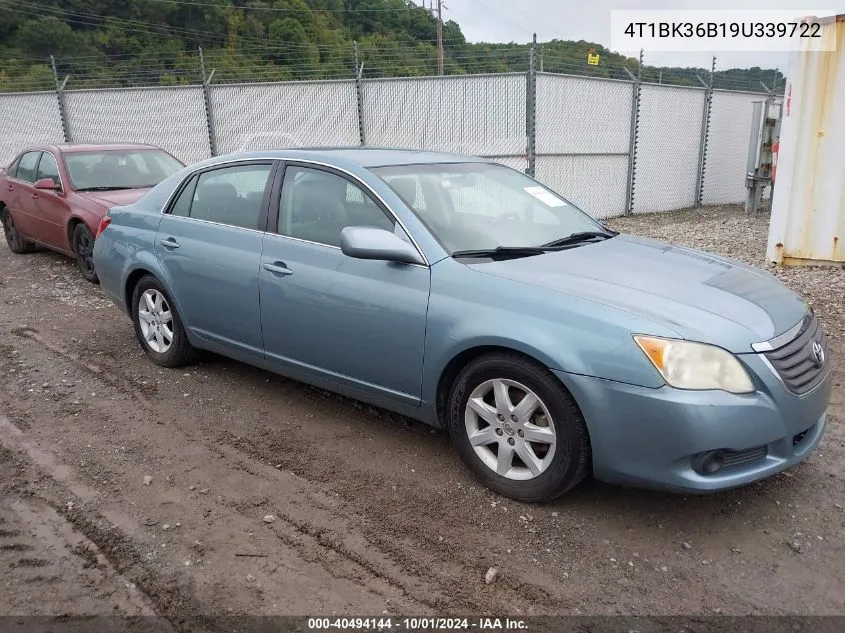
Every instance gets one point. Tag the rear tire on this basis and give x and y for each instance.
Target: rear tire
(540, 450)
(17, 244)
(158, 326)
(83, 248)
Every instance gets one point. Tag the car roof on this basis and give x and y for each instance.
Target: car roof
(362, 156)
(91, 147)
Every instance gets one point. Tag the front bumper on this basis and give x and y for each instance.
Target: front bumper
(657, 438)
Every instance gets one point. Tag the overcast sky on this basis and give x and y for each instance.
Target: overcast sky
(516, 20)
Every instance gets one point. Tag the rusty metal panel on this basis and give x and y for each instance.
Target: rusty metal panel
(808, 205)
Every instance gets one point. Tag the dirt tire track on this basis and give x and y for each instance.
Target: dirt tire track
(449, 571)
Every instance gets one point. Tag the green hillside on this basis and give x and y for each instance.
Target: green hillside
(153, 42)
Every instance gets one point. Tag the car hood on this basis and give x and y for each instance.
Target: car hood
(700, 296)
(114, 198)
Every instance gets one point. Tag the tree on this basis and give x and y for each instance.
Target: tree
(292, 46)
(115, 42)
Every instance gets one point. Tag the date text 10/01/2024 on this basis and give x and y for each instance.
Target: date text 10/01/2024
(416, 624)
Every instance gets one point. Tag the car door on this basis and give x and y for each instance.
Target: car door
(209, 246)
(354, 322)
(50, 208)
(21, 195)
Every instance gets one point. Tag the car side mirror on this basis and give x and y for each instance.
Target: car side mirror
(47, 183)
(362, 242)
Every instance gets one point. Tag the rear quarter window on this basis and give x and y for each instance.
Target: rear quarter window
(13, 168)
(27, 166)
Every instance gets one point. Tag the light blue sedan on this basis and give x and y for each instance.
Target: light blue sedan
(465, 294)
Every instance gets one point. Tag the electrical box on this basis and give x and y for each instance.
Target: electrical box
(765, 130)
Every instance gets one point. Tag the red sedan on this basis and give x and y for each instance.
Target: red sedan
(55, 195)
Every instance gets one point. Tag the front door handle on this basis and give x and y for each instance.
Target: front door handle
(169, 242)
(278, 268)
(10, 187)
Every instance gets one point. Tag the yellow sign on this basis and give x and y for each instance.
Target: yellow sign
(593, 58)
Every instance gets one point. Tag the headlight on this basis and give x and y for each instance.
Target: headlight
(688, 365)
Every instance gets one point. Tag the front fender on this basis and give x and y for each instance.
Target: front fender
(470, 310)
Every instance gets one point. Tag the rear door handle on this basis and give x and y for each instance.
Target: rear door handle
(10, 187)
(35, 196)
(278, 268)
(169, 242)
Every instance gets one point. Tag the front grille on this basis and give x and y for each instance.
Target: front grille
(796, 362)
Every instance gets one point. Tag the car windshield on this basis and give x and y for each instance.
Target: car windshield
(481, 206)
(119, 169)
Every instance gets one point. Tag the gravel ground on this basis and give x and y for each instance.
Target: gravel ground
(220, 488)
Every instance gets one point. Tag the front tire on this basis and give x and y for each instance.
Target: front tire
(17, 244)
(83, 248)
(158, 326)
(517, 428)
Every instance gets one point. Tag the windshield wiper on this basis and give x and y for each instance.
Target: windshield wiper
(512, 251)
(582, 236)
(527, 251)
(103, 188)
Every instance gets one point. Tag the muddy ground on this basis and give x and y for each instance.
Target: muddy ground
(265, 496)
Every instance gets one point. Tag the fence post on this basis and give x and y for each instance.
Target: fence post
(206, 97)
(531, 111)
(705, 137)
(359, 91)
(635, 130)
(60, 97)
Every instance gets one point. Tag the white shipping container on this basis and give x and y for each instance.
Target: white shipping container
(808, 204)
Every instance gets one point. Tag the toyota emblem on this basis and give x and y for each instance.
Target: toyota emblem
(818, 353)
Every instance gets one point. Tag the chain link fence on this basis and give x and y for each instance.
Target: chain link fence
(481, 115)
(172, 118)
(668, 145)
(291, 114)
(609, 145)
(583, 140)
(28, 118)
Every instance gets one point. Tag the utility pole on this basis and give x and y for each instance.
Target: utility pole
(440, 37)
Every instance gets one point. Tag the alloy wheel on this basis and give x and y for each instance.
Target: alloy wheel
(510, 429)
(156, 321)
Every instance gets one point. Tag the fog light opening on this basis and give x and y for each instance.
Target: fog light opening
(712, 463)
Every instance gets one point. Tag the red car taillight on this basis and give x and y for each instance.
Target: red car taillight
(104, 222)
